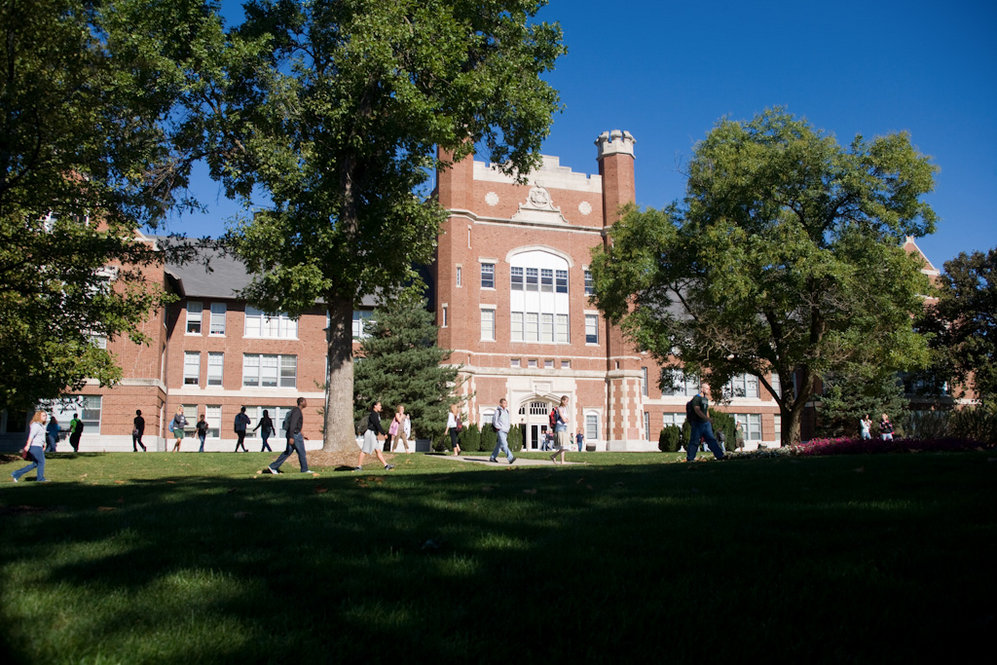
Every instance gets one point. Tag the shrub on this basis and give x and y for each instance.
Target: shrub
(669, 439)
(724, 422)
(470, 437)
(489, 437)
(515, 439)
(978, 423)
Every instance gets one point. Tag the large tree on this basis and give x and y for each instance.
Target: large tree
(93, 144)
(964, 323)
(339, 129)
(785, 256)
(400, 363)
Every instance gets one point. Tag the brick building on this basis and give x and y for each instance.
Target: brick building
(510, 288)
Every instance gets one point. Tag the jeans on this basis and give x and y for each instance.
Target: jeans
(702, 430)
(37, 454)
(266, 446)
(502, 446)
(297, 444)
(202, 437)
(136, 442)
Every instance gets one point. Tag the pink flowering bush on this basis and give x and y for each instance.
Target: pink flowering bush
(845, 446)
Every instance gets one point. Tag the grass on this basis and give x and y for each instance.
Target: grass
(197, 559)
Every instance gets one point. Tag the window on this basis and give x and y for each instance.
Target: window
(191, 368)
(565, 364)
(778, 428)
(562, 328)
(532, 279)
(217, 319)
(361, 320)
(87, 408)
(672, 420)
(515, 363)
(194, 313)
(776, 384)
(751, 425)
(255, 414)
(262, 325)
(216, 366)
(444, 324)
(647, 426)
(547, 280)
(488, 325)
(591, 329)
(212, 416)
(561, 281)
(742, 385)
(643, 381)
(190, 413)
(531, 363)
(589, 283)
(269, 371)
(549, 364)
(675, 382)
(591, 427)
(488, 275)
(516, 278)
(458, 273)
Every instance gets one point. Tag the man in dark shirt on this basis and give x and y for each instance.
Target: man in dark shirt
(241, 422)
(138, 430)
(701, 427)
(295, 440)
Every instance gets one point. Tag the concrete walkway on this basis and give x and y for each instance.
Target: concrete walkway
(520, 461)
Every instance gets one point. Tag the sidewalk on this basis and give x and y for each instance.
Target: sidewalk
(520, 461)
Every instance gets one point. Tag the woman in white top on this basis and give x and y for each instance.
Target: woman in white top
(453, 428)
(34, 448)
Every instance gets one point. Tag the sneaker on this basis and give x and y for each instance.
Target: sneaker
(512, 460)
(13, 477)
(272, 470)
(492, 460)
(358, 468)
(389, 467)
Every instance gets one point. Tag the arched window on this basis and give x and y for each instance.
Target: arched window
(538, 300)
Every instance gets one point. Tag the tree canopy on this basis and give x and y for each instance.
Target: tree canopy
(94, 144)
(338, 123)
(964, 323)
(784, 257)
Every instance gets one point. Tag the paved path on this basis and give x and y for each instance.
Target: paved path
(520, 461)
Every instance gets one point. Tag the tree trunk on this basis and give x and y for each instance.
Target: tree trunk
(339, 429)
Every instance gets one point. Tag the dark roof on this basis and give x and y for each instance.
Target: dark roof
(216, 274)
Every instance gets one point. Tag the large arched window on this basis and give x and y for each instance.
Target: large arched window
(538, 301)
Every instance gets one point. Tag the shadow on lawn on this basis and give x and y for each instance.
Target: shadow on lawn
(673, 563)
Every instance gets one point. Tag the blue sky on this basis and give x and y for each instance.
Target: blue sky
(667, 71)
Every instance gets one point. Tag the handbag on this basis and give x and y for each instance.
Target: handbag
(393, 429)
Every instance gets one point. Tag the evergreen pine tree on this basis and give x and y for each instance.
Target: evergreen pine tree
(400, 363)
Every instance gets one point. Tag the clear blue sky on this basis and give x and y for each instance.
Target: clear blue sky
(667, 71)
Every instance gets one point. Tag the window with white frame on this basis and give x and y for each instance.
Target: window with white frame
(487, 324)
(678, 383)
(776, 384)
(217, 326)
(565, 364)
(488, 275)
(444, 323)
(591, 329)
(643, 381)
(213, 416)
(549, 363)
(191, 368)
(265, 326)
(515, 363)
(591, 427)
(647, 426)
(195, 311)
(538, 302)
(255, 414)
(672, 420)
(458, 272)
(269, 370)
(589, 282)
(742, 385)
(190, 413)
(216, 367)
(751, 425)
(531, 363)
(778, 428)
(86, 407)
(361, 320)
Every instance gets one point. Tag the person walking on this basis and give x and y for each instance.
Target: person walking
(201, 427)
(177, 424)
(701, 427)
(266, 428)
(502, 422)
(865, 427)
(241, 423)
(295, 439)
(562, 438)
(371, 436)
(738, 437)
(580, 440)
(399, 429)
(453, 428)
(886, 428)
(51, 435)
(138, 429)
(34, 448)
(75, 432)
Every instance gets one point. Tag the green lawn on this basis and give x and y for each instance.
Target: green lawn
(192, 558)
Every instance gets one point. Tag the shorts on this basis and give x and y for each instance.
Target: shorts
(178, 433)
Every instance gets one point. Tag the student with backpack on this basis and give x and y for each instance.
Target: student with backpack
(701, 427)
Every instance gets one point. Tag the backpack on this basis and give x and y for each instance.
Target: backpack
(287, 420)
(554, 417)
(690, 412)
(361, 426)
